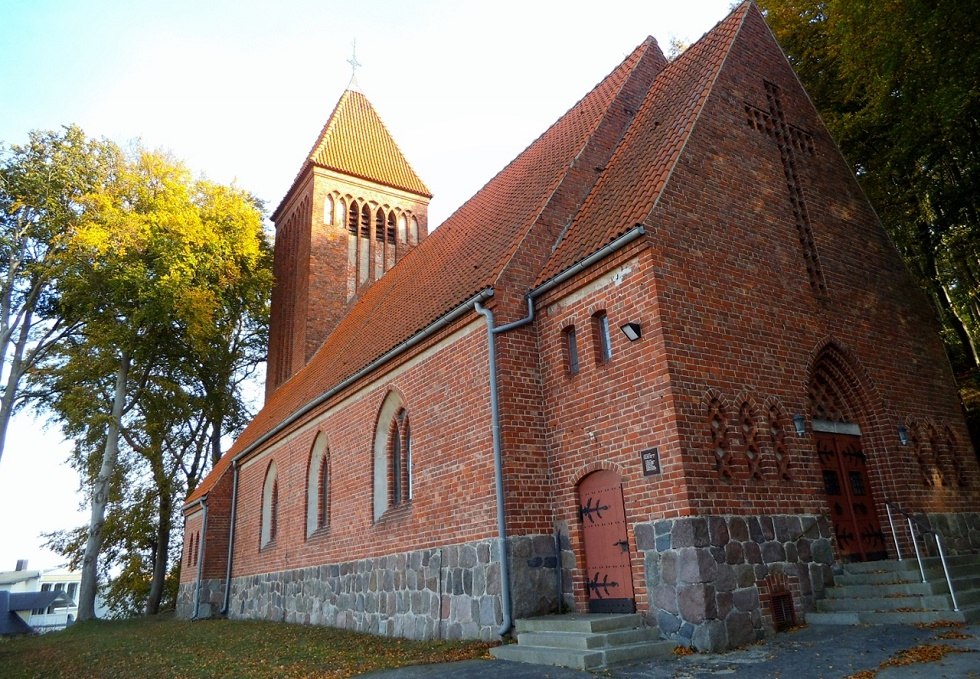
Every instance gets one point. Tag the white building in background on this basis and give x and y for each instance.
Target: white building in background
(54, 617)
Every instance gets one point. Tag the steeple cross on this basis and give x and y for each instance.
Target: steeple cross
(793, 142)
(354, 65)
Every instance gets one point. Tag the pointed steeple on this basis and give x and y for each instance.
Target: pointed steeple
(355, 208)
(355, 142)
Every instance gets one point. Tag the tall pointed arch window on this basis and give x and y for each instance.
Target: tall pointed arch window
(393, 464)
(413, 231)
(328, 210)
(270, 506)
(318, 486)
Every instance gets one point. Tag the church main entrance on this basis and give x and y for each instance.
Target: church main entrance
(607, 551)
(852, 506)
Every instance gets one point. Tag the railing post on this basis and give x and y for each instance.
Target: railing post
(891, 522)
(949, 580)
(915, 543)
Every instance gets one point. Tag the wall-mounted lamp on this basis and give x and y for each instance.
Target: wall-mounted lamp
(903, 434)
(800, 423)
(631, 330)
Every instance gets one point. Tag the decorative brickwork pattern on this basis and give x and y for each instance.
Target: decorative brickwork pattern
(720, 443)
(791, 141)
(954, 452)
(751, 447)
(777, 421)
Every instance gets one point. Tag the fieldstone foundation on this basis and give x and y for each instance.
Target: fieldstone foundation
(212, 598)
(960, 531)
(450, 592)
(711, 579)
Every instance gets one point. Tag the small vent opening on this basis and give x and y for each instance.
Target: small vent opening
(783, 614)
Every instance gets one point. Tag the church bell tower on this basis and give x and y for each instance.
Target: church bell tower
(355, 208)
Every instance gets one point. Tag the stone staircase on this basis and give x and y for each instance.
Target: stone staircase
(584, 642)
(892, 592)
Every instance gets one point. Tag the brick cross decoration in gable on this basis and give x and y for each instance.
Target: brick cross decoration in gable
(791, 141)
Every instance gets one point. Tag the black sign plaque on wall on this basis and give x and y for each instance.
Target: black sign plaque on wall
(651, 461)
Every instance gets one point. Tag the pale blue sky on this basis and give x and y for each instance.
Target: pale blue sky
(239, 89)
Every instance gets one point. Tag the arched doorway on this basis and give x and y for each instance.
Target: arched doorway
(835, 406)
(609, 579)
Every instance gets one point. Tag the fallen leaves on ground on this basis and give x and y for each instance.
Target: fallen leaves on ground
(954, 634)
(217, 648)
(921, 654)
(939, 624)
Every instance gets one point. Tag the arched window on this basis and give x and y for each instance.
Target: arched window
(379, 225)
(352, 218)
(393, 475)
(413, 232)
(318, 486)
(270, 505)
(401, 228)
(328, 210)
(391, 228)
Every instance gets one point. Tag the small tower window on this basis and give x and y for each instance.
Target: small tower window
(391, 228)
(571, 350)
(413, 232)
(328, 209)
(352, 218)
(379, 225)
(365, 222)
(401, 228)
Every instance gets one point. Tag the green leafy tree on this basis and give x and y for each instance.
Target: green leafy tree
(43, 188)
(896, 82)
(167, 275)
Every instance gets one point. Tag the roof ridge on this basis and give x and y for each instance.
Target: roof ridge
(638, 54)
(674, 99)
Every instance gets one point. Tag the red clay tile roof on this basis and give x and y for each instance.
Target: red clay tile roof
(464, 256)
(640, 168)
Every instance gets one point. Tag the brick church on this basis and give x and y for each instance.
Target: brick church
(666, 361)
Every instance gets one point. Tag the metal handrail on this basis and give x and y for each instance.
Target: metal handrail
(915, 522)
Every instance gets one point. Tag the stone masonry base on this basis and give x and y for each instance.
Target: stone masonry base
(450, 592)
(712, 578)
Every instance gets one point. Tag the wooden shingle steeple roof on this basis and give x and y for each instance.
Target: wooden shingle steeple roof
(355, 142)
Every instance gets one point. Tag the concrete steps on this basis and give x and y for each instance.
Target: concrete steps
(892, 592)
(584, 642)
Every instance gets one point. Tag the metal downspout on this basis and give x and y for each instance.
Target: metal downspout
(498, 471)
(231, 536)
(200, 559)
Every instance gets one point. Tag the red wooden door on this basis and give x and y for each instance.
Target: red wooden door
(607, 552)
(852, 507)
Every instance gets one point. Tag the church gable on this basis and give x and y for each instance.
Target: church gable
(637, 173)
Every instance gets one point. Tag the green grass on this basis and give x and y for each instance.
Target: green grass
(215, 648)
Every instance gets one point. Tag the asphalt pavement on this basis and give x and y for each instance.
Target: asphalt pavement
(809, 652)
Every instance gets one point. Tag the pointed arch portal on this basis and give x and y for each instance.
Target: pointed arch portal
(835, 404)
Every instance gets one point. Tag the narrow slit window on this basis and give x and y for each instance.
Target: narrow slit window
(602, 339)
(571, 350)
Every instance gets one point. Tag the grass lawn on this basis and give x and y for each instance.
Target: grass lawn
(165, 647)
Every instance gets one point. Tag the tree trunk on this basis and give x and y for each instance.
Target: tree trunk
(100, 497)
(162, 552)
(216, 440)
